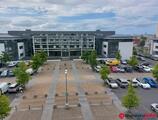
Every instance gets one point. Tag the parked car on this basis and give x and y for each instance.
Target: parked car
(154, 107)
(13, 88)
(30, 71)
(134, 82)
(141, 58)
(97, 68)
(128, 69)
(113, 62)
(123, 83)
(151, 82)
(114, 69)
(4, 87)
(121, 69)
(142, 83)
(154, 58)
(124, 62)
(4, 73)
(138, 68)
(10, 73)
(12, 64)
(111, 83)
(146, 64)
(147, 69)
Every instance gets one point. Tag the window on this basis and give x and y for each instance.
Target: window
(20, 47)
(22, 54)
(104, 52)
(44, 46)
(51, 46)
(71, 46)
(37, 46)
(156, 47)
(105, 46)
(37, 40)
(77, 46)
(65, 46)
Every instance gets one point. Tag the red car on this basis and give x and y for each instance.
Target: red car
(114, 69)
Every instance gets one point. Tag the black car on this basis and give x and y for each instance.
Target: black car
(146, 64)
(138, 68)
(128, 69)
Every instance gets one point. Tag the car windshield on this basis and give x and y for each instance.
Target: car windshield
(112, 81)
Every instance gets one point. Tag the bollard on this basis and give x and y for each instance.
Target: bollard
(16, 109)
(29, 107)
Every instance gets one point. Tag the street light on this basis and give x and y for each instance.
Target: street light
(66, 93)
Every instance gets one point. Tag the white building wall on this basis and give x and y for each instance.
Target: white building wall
(105, 49)
(21, 50)
(2, 48)
(126, 49)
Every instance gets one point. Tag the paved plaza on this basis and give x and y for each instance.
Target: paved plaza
(44, 98)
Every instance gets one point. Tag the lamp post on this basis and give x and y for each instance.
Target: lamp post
(66, 93)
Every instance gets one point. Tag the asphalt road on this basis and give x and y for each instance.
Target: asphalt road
(146, 97)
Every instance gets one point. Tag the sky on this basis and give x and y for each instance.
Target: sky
(122, 16)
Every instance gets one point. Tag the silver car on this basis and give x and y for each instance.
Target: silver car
(154, 107)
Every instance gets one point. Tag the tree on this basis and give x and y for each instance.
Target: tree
(4, 106)
(21, 76)
(92, 59)
(155, 71)
(36, 61)
(104, 72)
(85, 56)
(130, 100)
(133, 61)
(134, 51)
(5, 57)
(118, 55)
(43, 55)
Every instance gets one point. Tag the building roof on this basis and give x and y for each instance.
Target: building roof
(8, 37)
(119, 36)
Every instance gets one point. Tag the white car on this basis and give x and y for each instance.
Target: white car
(30, 71)
(97, 68)
(111, 83)
(12, 64)
(154, 107)
(4, 73)
(134, 82)
(4, 87)
(147, 68)
(142, 83)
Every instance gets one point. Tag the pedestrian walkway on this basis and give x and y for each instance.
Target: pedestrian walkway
(115, 99)
(48, 108)
(85, 107)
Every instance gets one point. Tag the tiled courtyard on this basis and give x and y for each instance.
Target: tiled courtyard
(84, 89)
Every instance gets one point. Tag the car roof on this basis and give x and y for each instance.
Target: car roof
(123, 79)
(13, 85)
(2, 84)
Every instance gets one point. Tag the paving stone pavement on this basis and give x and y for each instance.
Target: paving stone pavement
(48, 108)
(85, 107)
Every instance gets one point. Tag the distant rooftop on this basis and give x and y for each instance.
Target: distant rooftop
(119, 36)
(6, 35)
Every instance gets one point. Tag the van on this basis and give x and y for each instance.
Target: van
(4, 87)
(123, 83)
(113, 62)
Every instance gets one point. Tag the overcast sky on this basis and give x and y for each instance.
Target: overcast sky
(123, 16)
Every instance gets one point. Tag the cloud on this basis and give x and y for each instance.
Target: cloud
(79, 15)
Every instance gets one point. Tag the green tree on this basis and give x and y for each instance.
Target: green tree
(118, 55)
(92, 59)
(104, 72)
(21, 76)
(133, 61)
(43, 55)
(85, 56)
(4, 106)
(134, 51)
(5, 57)
(36, 61)
(131, 99)
(155, 71)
